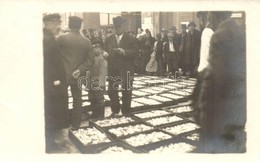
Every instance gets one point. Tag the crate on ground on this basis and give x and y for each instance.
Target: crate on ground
(163, 120)
(88, 139)
(177, 145)
(181, 129)
(129, 129)
(147, 139)
(106, 123)
(118, 147)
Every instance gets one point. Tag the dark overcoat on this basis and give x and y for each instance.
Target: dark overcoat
(55, 97)
(192, 48)
(122, 63)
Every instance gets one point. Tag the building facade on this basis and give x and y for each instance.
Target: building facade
(154, 21)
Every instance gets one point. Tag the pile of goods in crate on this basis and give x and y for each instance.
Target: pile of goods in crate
(159, 121)
(151, 131)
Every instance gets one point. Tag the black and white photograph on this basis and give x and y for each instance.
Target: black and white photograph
(145, 82)
(110, 80)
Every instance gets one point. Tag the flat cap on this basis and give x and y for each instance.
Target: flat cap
(75, 22)
(51, 17)
(95, 41)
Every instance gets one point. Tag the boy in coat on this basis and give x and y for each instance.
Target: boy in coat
(98, 74)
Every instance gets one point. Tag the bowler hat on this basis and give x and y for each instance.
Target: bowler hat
(163, 30)
(51, 17)
(192, 23)
(75, 22)
(118, 21)
(173, 28)
(170, 35)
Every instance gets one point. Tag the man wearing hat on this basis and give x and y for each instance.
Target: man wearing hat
(163, 40)
(171, 49)
(173, 30)
(192, 50)
(78, 57)
(122, 50)
(55, 87)
(182, 41)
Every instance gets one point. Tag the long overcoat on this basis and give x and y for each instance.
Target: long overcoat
(55, 97)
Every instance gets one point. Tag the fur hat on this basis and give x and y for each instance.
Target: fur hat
(118, 21)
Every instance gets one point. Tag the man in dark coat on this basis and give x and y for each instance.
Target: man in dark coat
(171, 49)
(223, 92)
(78, 57)
(122, 50)
(192, 50)
(55, 87)
(146, 43)
(182, 42)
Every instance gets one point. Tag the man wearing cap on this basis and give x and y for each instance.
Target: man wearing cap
(77, 54)
(192, 50)
(170, 49)
(122, 50)
(55, 87)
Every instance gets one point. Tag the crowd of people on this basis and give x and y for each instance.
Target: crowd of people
(216, 58)
(163, 54)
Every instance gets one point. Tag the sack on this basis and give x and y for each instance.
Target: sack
(152, 64)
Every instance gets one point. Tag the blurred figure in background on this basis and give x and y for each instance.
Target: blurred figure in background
(222, 100)
(182, 41)
(103, 38)
(170, 50)
(164, 39)
(158, 48)
(147, 43)
(139, 33)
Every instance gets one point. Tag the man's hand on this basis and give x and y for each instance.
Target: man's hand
(121, 51)
(105, 54)
(56, 82)
(76, 74)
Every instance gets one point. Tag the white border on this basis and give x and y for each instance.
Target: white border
(21, 91)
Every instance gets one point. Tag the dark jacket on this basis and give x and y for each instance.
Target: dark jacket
(192, 48)
(55, 97)
(116, 61)
(222, 100)
(175, 45)
(77, 53)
